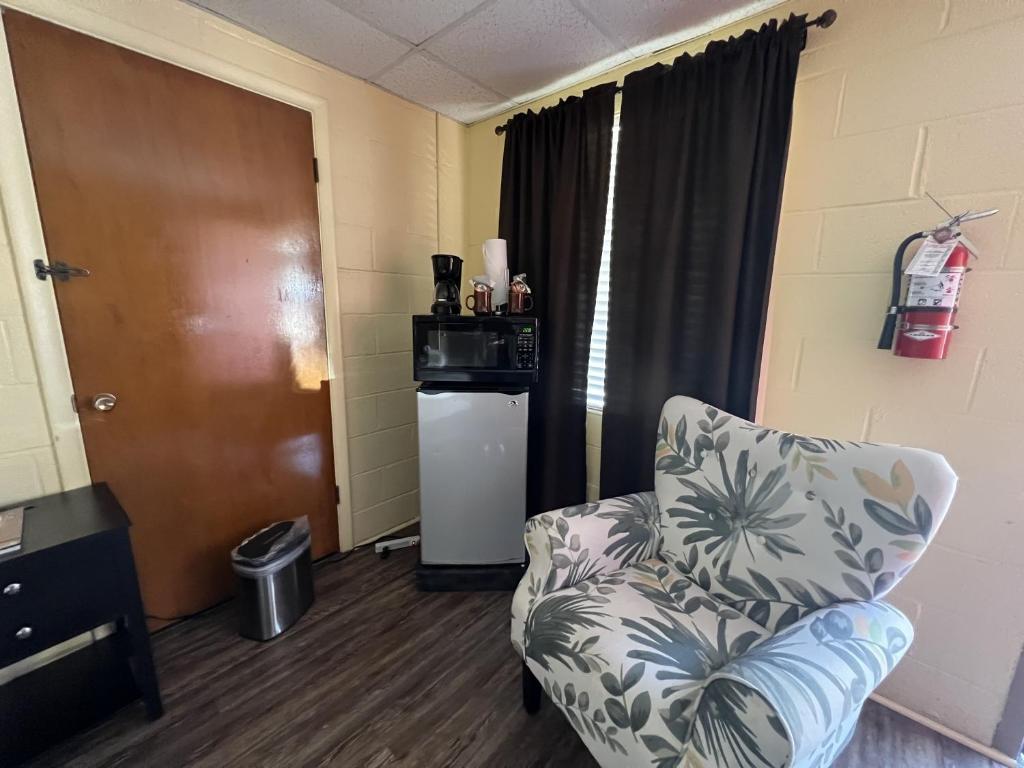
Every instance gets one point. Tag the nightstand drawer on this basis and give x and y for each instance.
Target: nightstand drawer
(54, 595)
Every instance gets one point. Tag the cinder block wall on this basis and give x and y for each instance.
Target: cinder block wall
(27, 464)
(403, 200)
(894, 100)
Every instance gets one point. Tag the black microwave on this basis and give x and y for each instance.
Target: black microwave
(488, 349)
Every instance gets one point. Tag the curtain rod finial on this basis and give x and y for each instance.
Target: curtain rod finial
(827, 19)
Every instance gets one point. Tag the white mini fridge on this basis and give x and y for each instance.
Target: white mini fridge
(472, 442)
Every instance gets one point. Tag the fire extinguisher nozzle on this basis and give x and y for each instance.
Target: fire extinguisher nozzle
(888, 332)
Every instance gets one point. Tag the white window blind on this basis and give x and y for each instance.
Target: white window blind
(599, 332)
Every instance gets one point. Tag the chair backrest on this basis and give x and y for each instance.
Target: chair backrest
(777, 524)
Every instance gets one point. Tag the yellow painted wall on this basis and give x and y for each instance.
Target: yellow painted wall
(397, 177)
(896, 99)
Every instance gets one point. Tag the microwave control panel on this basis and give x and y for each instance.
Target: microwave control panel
(526, 347)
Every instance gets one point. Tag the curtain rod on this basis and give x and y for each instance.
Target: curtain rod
(827, 19)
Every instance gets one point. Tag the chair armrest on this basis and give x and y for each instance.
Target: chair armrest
(567, 546)
(816, 675)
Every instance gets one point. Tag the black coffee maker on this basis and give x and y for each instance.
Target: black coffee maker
(447, 279)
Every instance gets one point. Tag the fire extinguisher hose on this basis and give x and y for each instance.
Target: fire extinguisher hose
(889, 328)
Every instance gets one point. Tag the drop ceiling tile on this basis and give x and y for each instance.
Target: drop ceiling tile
(413, 21)
(317, 29)
(649, 25)
(518, 47)
(421, 78)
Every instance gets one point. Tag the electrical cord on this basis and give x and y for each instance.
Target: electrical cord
(185, 616)
(337, 557)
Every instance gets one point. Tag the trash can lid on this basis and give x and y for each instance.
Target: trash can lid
(273, 542)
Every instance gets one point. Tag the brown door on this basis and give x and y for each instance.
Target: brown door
(192, 204)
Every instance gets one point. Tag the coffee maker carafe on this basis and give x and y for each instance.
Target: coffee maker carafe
(447, 279)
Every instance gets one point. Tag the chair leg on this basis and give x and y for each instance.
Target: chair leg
(532, 691)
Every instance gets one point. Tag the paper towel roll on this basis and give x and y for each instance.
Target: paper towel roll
(496, 267)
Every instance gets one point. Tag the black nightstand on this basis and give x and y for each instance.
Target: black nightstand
(74, 573)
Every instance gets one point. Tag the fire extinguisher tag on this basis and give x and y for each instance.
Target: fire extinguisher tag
(931, 257)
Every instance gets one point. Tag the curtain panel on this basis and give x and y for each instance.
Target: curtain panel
(554, 190)
(701, 158)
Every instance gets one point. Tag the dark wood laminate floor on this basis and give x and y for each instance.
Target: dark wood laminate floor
(378, 674)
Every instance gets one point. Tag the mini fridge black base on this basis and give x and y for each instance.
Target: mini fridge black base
(469, 578)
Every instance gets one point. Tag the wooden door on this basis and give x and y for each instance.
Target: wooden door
(193, 205)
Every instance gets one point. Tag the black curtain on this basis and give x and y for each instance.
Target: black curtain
(702, 152)
(554, 189)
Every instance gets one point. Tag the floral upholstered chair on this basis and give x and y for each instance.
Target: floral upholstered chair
(733, 617)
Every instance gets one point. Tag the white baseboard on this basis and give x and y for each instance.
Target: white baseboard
(927, 722)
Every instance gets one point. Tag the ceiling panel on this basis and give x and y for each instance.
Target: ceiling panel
(421, 78)
(413, 21)
(318, 29)
(649, 25)
(471, 59)
(517, 47)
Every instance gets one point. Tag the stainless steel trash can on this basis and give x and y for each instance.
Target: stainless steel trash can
(274, 571)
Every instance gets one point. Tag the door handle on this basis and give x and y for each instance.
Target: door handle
(104, 401)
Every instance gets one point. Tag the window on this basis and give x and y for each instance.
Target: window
(599, 330)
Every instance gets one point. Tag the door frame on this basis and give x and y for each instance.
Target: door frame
(24, 228)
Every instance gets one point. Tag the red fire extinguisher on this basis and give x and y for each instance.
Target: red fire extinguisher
(924, 323)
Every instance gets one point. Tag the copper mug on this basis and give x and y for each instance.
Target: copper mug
(518, 302)
(481, 299)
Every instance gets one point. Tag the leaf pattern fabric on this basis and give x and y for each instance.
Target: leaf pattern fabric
(736, 726)
(626, 654)
(733, 616)
(818, 673)
(778, 524)
(570, 545)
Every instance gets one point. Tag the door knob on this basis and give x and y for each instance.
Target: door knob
(24, 633)
(104, 401)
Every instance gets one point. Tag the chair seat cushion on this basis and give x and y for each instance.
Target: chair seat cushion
(625, 655)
